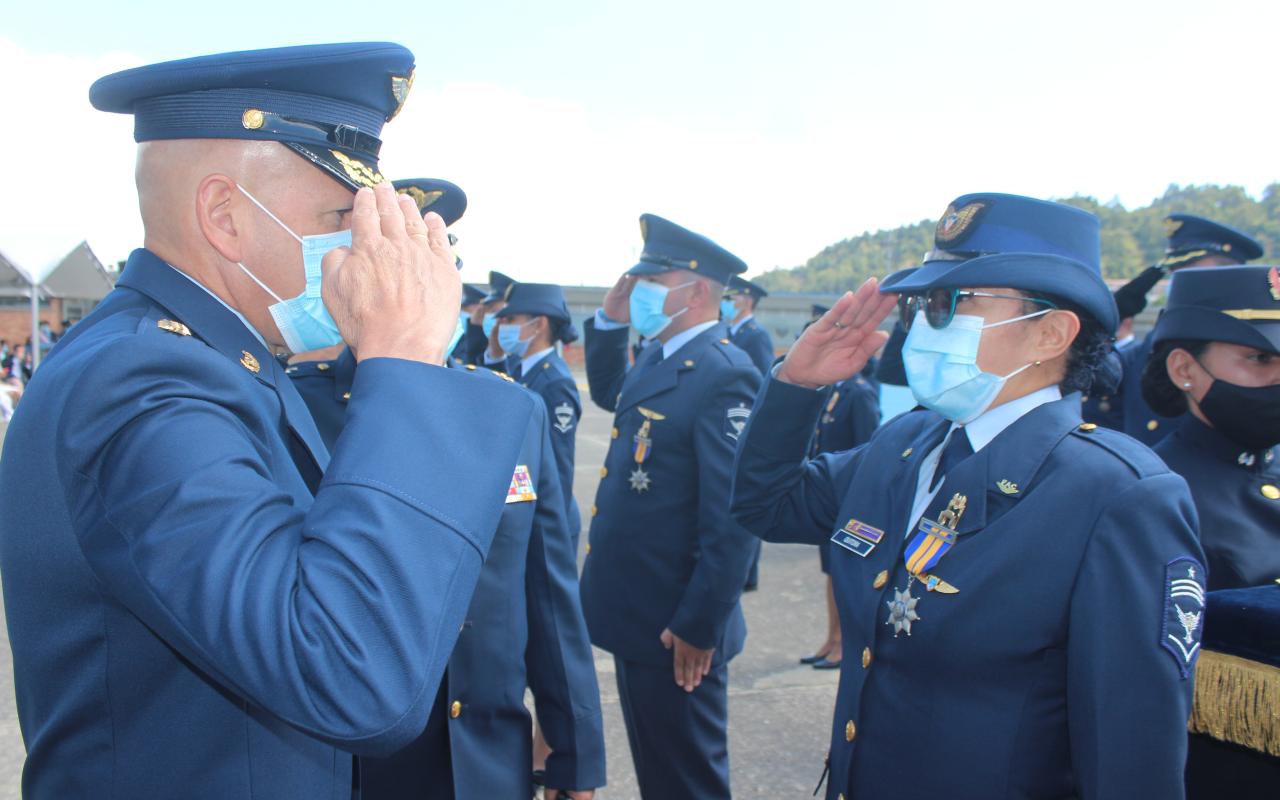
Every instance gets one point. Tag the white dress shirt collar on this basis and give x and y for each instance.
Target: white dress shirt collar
(682, 338)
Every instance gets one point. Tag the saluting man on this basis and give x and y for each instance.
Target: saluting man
(1020, 592)
(665, 565)
(202, 600)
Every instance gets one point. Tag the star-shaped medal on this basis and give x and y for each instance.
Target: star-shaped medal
(902, 611)
(639, 480)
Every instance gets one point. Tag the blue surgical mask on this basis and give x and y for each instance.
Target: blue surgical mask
(727, 309)
(942, 366)
(303, 321)
(488, 322)
(647, 301)
(509, 339)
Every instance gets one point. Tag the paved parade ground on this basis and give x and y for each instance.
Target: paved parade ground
(780, 711)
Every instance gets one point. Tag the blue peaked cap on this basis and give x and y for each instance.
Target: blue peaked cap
(325, 102)
(667, 246)
(1240, 305)
(536, 299)
(432, 194)
(1032, 245)
(1191, 237)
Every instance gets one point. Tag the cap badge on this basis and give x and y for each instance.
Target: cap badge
(1171, 226)
(423, 199)
(400, 86)
(1273, 281)
(955, 221)
(357, 170)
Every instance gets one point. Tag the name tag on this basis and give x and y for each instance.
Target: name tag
(858, 537)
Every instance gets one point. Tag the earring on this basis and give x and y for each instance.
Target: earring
(1036, 364)
(1186, 385)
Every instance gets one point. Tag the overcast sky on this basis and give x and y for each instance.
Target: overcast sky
(774, 128)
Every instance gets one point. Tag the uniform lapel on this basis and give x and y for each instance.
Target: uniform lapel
(663, 376)
(995, 478)
(902, 491)
(215, 325)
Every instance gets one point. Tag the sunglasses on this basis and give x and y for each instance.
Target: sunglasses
(939, 305)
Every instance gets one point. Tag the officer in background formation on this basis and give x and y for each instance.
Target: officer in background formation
(202, 599)
(665, 566)
(524, 628)
(472, 297)
(534, 320)
(737, 310)
(1215, 366)
(1007, 576)
(1100, 406)
(1193, 242)
(486, 319)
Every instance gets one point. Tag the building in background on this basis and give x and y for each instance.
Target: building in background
(68, 292)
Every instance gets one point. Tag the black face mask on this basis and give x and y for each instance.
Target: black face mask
(1248, 415)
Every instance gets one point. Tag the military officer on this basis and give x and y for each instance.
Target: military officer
(1007, 576)
(192, 578)
(534, 320)
(665, 565)
(1193, 242)
(1100, 406)
(524, 628)
(1215, 368)
(737, 310)
(472, 297)
(489, 354)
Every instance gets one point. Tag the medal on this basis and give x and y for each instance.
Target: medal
(643, 449)
(933, 540)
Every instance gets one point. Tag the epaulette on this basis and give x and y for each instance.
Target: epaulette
(504, 376)
(1136, 456)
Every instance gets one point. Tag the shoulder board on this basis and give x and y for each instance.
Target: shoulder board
(1135, 455)
(504, 376)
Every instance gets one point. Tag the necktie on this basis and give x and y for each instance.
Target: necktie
(650, 357)
(957, 449)
(518, 372)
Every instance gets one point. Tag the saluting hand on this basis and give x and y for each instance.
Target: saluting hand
(395, 292)
(617, 303)
(691, 663)
(840, 343)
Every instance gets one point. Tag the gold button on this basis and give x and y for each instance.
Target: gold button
(614, 435)
(455, 710)
(866, 657)
(588, 549)
(252, 119)
(688, 362)
(322, 366)
(724, 341)
(1152, 425)
(840, 796)
(604, 472)
(908, 452)
(881, 579)
(346, 395)
(693, 264)
(1270, 492)
(850, 731)
(594, 510)
(1088, 426)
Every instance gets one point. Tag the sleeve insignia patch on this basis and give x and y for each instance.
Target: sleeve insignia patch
(1184, 587)
(564, 418)
(735, 419)
(521, 489)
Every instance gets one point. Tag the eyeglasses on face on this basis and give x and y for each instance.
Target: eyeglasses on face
(939, 305)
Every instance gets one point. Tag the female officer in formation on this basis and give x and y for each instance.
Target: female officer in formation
(1216, 363)
(1007, 598)
(534, 320)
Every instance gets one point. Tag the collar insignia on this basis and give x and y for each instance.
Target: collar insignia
(173, 327)
(249, 362)
(1007, 486)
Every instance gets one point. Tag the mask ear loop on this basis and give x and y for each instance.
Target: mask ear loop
(277, 221)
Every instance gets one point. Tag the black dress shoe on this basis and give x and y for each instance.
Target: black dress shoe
(814, 659)
(824, 663)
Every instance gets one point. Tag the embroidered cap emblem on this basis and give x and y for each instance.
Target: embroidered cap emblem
(955, 222)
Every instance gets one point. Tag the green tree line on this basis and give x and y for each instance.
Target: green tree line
(1131, 240)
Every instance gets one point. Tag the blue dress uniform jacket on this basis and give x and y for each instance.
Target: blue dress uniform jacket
(1044, 676)
(551, 380)
(667, 556)
(1237, 494)
(193, 610)
(850, 414)
(524, 628)
(756, 342)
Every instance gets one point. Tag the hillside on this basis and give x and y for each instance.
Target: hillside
(1131, 240)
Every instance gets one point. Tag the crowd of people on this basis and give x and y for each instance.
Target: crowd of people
(303, 521)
